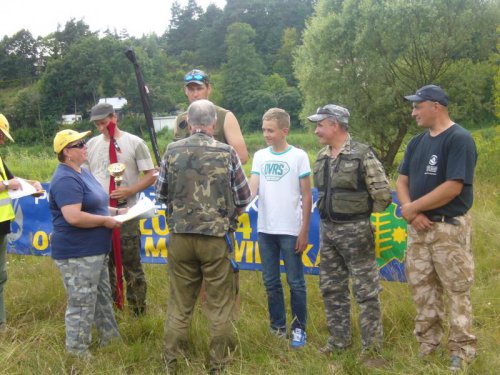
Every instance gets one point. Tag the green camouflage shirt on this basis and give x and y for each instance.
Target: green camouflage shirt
(202, 183)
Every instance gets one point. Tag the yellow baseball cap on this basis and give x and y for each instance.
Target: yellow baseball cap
(4, 127)
(65, 137)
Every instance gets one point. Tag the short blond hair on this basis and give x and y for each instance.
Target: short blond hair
(280, 116)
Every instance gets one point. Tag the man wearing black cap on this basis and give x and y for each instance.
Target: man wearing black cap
(227, 130)
(351, 184)
(139, 171)
(434, 189)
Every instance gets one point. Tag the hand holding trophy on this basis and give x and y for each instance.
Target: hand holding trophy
(116, 170)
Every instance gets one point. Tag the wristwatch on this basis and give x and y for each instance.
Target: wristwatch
(5, 184)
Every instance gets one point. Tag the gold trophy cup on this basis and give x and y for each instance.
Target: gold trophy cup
(116, 170)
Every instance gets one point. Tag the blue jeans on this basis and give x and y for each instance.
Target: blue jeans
(270, 248)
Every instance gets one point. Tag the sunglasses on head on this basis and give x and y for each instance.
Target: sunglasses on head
(194, 77)
(80, 144)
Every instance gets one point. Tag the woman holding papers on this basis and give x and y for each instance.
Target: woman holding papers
(8, 184)
(81, 241)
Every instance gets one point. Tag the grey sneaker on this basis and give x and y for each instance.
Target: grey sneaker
(455, 363)
(279, 332)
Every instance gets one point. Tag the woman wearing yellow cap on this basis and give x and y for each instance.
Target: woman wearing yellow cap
(8, 182)
(81, 241)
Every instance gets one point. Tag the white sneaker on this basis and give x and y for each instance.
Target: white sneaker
(299, 338)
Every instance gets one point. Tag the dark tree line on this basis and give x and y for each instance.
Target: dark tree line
(294, 54)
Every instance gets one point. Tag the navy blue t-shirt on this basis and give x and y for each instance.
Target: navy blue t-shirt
(430, 161)
(70, 187)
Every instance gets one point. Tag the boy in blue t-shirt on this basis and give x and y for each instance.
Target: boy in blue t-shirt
(281, 177)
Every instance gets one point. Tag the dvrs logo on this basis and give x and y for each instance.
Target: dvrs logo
(274, 170)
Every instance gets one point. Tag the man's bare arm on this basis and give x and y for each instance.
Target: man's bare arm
(234, 137)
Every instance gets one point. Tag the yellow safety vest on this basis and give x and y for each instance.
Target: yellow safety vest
(6, 210)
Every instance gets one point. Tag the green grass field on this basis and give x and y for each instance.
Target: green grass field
(35, 302)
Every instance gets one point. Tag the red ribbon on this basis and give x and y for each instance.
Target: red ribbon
(117, 249)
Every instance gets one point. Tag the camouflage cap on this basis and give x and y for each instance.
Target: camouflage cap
(331, 110)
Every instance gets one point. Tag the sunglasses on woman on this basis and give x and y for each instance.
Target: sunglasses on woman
(80, 144)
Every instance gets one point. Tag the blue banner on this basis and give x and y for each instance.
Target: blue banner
(32, 228)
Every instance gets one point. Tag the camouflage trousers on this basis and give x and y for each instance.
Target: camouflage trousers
(135, 280)
(348, 250)
(191, 259)
(3, 275)
(439, 261)
(86, 282)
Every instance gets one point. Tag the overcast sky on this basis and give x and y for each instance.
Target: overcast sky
(41, 17)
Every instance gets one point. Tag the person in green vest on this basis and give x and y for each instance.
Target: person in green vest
(8, 183)
(351, 184)
(227, 129)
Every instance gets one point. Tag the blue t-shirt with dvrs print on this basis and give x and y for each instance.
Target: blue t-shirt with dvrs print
(70, 187)
(430, 161)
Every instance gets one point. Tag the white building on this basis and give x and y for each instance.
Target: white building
(70, 119)
(118, 103)
(164, 122)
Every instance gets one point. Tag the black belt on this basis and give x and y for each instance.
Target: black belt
(443, 219)
(348, 217)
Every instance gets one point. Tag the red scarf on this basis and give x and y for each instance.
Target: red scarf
(117, 249)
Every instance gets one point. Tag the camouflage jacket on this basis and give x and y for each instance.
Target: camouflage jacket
(201, 182)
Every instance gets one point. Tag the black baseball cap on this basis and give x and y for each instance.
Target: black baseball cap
(431, 93)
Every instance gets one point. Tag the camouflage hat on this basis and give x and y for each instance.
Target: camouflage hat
(100, 111)
(331, 110)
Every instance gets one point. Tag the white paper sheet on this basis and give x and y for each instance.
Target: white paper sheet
(26, 189)
(142, 207)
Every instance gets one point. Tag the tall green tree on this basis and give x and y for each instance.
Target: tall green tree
(18, 58)
(72, 33)
(243, 74)
(92, 68)
(283, 63)
(269, 18)
(210, 47)
(183, 28)
(367, 54)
